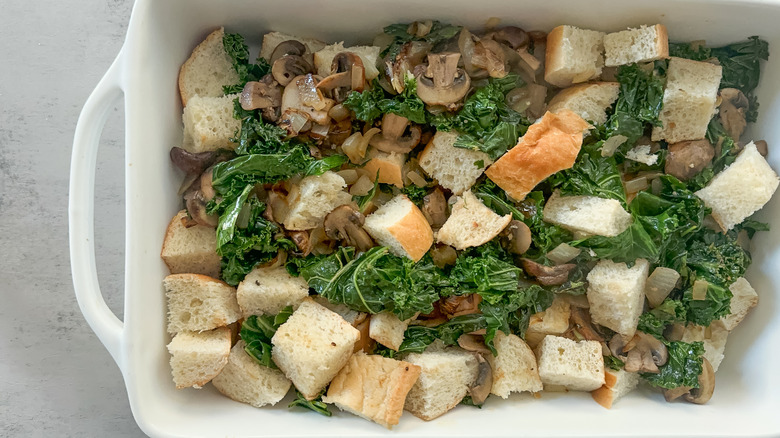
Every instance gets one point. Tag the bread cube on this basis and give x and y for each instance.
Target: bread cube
(196, 358)
(323, 58)
(191, 250)
(313, 198)
(587, 214)
(589, 101)
(353, 317)
(445, 377)
(387, 329)
(207, 70)
(552, 321)
(514, 367)
(744, 299)
(573, 55)
(388, 165)
(273, 39)
(312, 346)
(400, 226)
(616, 385)
(373, 387)
(471, 223)
(454, 168)
(714, 338)
(741, 189)
(209, 123)
(616, 294)
(197, 303)
(244, 380)
(266, 291)
(578, 366)
(643, 44)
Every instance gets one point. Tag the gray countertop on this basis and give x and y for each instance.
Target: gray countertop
(56, 379)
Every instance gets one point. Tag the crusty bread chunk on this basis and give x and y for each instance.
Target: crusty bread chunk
(209, 123)
(643, 44)
(266, 291)
(373, 387)
(471, 223)
(587, 214)
(197, 357)
(387, 329)
(323, 58)
(197, 303)
(351, 316)
(244, 380)
(389, 165)
(454, 168)
(313, 198)
(616, 385)
(577, 366)
(713, 337)
(273, 39)
(207, 70)
(552, 321)
(514, 367)
(744, 299)
(573, 55)
(400, 226)
(549, 146)
(689, 100)
(741, 189)
(445, 377)
(190, 250)
(312, 346)
(616, 294)
(589, 101)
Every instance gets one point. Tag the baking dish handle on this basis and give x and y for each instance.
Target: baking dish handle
(81, 207)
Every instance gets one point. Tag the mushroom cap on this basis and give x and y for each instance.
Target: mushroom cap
(346, 224)
(483, 384)
(289, 47)
(288, 67)
(442, 83)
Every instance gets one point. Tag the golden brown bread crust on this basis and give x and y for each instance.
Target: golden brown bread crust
(604, 395)
(554, 42)
(219, 33)
(662, 44)
(549, 146)
(414, 233)
(389, 172)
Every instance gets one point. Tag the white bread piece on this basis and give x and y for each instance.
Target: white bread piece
(578, 366)
(266, 291)
(196, 358)
(587, 214)
(273, 39)
(209, 123)
(714, 338)
(616, 294)
(689, 100)
(400, 226)
(741, 189)
(641, 154)
(445, 377)
(589, 101)
(471, 223)
(514, 367)
(573, 55)
(388, 164)
(313, 198)
(351, 316)
(643, 44)
(323, 58)
(744, 299)
(312, 346)
(190, 250)
(454, 168)
(207, 70)
(616, 385)
(387, 329)
(244, 380)
(552, 321)
(373, 387)
(197, 303)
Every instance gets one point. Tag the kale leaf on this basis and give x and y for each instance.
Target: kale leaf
(683, 367)
(238, 52)
(255, 135)
(656, 320)
(415, 193)
(727, 154)
(485, 270)
(591, 175)
(316, 405)
(438, 33)
(373, 102)
(638, 104)
(257, 331)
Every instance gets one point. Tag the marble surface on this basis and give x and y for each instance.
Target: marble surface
(56, 379)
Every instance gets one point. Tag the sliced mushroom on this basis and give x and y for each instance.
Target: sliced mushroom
(733, 106)
(480, 388)
(410, 56)
(295, 113)
(443, 255)
(547, 275)
(289, 47)
(392, 138)
(762, 147)
(519, 236)
(346, 224)
(467, 44)
(704, 392)
(458, 305)
(674, 393)
(512, 36)
(489, 55)
(302, 242)
(443, 83)
(435, 208)
(196, 207)
(687, 158)
(195, 164)
(286, 68)
(472, 342)
(347, 74)
(642, 353)
(580, 319)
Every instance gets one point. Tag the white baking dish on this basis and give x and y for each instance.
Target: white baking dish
(160, 37)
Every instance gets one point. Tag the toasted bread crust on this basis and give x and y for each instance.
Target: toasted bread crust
(389, 172)
(662, 42)
(549, 146)
(603, 396)
(414, 233)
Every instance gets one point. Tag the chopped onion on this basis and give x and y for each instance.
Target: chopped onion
(659, 284)
(416, 179)
(310, 94)
(699, 291)
(349, 175)
(338, 112)
(362, 186)
(297, 120)
(320, 131)
(563, 253)
(355, 147)
(636, 185)
(611, 144)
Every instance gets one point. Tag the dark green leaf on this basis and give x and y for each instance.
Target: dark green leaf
(238, 52)
(655, 321)
(331, 162)
(415, 193)
(683, 367)
(591, 175)
(316, 405)
(613, 363)
(257, 331)
(439, 33)
(372, 103)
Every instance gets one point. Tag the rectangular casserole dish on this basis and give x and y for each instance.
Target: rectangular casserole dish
(160, 37)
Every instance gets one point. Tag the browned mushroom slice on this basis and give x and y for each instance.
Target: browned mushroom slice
(443, 255)
(483, 384)
(260, 95)
(642, 353)
(580, 319)
(302, 242)
(410, 56)
(458, 305)
(435, 208)
(347, 74)
(196, 163)
(547, 275)
(443, 83)
(392, 138)
(196, 207)
(286, 68)
(704, 392)
(467, 44)
(519, 236)
(289, 47)
(472, 342)
(346, 224)
(687, 158)
(733, 106)
(489, 55)
(512, 36)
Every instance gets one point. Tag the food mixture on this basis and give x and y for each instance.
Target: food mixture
(447, 216)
